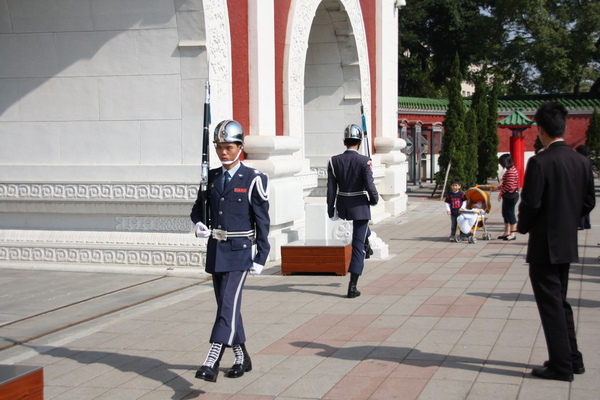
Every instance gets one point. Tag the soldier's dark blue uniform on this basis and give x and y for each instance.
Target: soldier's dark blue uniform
(351, 191)
(236, 209)
(238, 244)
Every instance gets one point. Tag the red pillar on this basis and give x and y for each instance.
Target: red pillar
(517, 152)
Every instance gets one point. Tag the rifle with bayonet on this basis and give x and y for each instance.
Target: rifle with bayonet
(205, 157)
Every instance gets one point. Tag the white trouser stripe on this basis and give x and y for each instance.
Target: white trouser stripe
(235, 305)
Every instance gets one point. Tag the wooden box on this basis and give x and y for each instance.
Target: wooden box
(316, 256)
(20, 382)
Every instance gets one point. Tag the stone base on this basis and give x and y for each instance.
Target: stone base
(316, 256)
(155, 252)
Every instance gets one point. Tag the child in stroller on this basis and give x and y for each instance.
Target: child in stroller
(473, 217)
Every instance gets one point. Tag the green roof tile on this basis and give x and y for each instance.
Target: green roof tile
(516, 119)
(526, 102)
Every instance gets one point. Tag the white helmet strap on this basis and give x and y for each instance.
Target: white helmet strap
(235, 159)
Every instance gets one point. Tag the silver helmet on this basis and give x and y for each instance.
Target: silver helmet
(353, 131)
(229, 131)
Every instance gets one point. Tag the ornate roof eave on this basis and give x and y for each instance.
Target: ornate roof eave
(516, 120)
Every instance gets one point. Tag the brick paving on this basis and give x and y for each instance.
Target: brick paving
(436, 320)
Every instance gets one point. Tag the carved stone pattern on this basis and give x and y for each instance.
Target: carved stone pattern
(343, 232)
(321, 172)
(304, 12)
(219, 54)
(307, 181)
(154, 224)
(100, 256)
(97, 191)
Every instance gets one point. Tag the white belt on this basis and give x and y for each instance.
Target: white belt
(221, 235)
(350, 194)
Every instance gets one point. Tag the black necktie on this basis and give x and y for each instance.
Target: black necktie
(226, 179)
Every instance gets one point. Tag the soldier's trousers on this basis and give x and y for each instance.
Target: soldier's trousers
(229, 327)
(360, 233)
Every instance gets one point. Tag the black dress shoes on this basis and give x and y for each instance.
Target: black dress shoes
(546, 373)
(207, 373)
(576, 370)
(238, 370)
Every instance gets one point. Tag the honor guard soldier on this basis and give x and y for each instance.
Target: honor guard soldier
(350, 193)
(239, 219)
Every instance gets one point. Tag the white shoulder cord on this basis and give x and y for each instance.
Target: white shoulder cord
(332, 169)
(262, 192)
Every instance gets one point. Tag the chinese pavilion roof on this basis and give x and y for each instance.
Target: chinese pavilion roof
(516, 119)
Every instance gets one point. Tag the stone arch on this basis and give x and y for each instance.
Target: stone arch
(344, 17)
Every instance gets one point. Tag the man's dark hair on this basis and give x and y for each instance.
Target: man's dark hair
(351, 142)
(552, 117)
(455, 180)
(506, 161)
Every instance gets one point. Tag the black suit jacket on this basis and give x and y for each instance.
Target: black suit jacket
(558, 190)
(350, 172)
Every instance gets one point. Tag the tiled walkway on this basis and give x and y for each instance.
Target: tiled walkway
(436, 320)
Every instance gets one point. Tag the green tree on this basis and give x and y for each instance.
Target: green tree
(533, 46)
(593, 139)
(480, 108)
(431, 32)
(471, 128)
(454, 141)
(555, 41)
(488, 137)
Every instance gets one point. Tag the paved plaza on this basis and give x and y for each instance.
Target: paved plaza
(436, 320)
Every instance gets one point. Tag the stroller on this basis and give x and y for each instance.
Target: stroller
(473, 219)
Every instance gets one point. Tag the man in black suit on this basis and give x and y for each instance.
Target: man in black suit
(350, 193)
(558, 190)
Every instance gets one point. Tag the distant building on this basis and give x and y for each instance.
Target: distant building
(427, 115)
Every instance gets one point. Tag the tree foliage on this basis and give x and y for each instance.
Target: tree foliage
(455, 140)
(533, 46)
(485, 103)
(431, 33)
(491, 131)
(471, 133)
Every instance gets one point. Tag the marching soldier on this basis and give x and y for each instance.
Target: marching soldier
(350, 193)
(239, 218)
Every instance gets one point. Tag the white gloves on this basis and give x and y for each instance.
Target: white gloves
(256, 269)
(335, 216)
(202, 231)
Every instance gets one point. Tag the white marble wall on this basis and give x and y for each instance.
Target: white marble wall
(101, 109)
(100, 83)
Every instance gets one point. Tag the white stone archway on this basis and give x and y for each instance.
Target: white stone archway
(302, 18)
